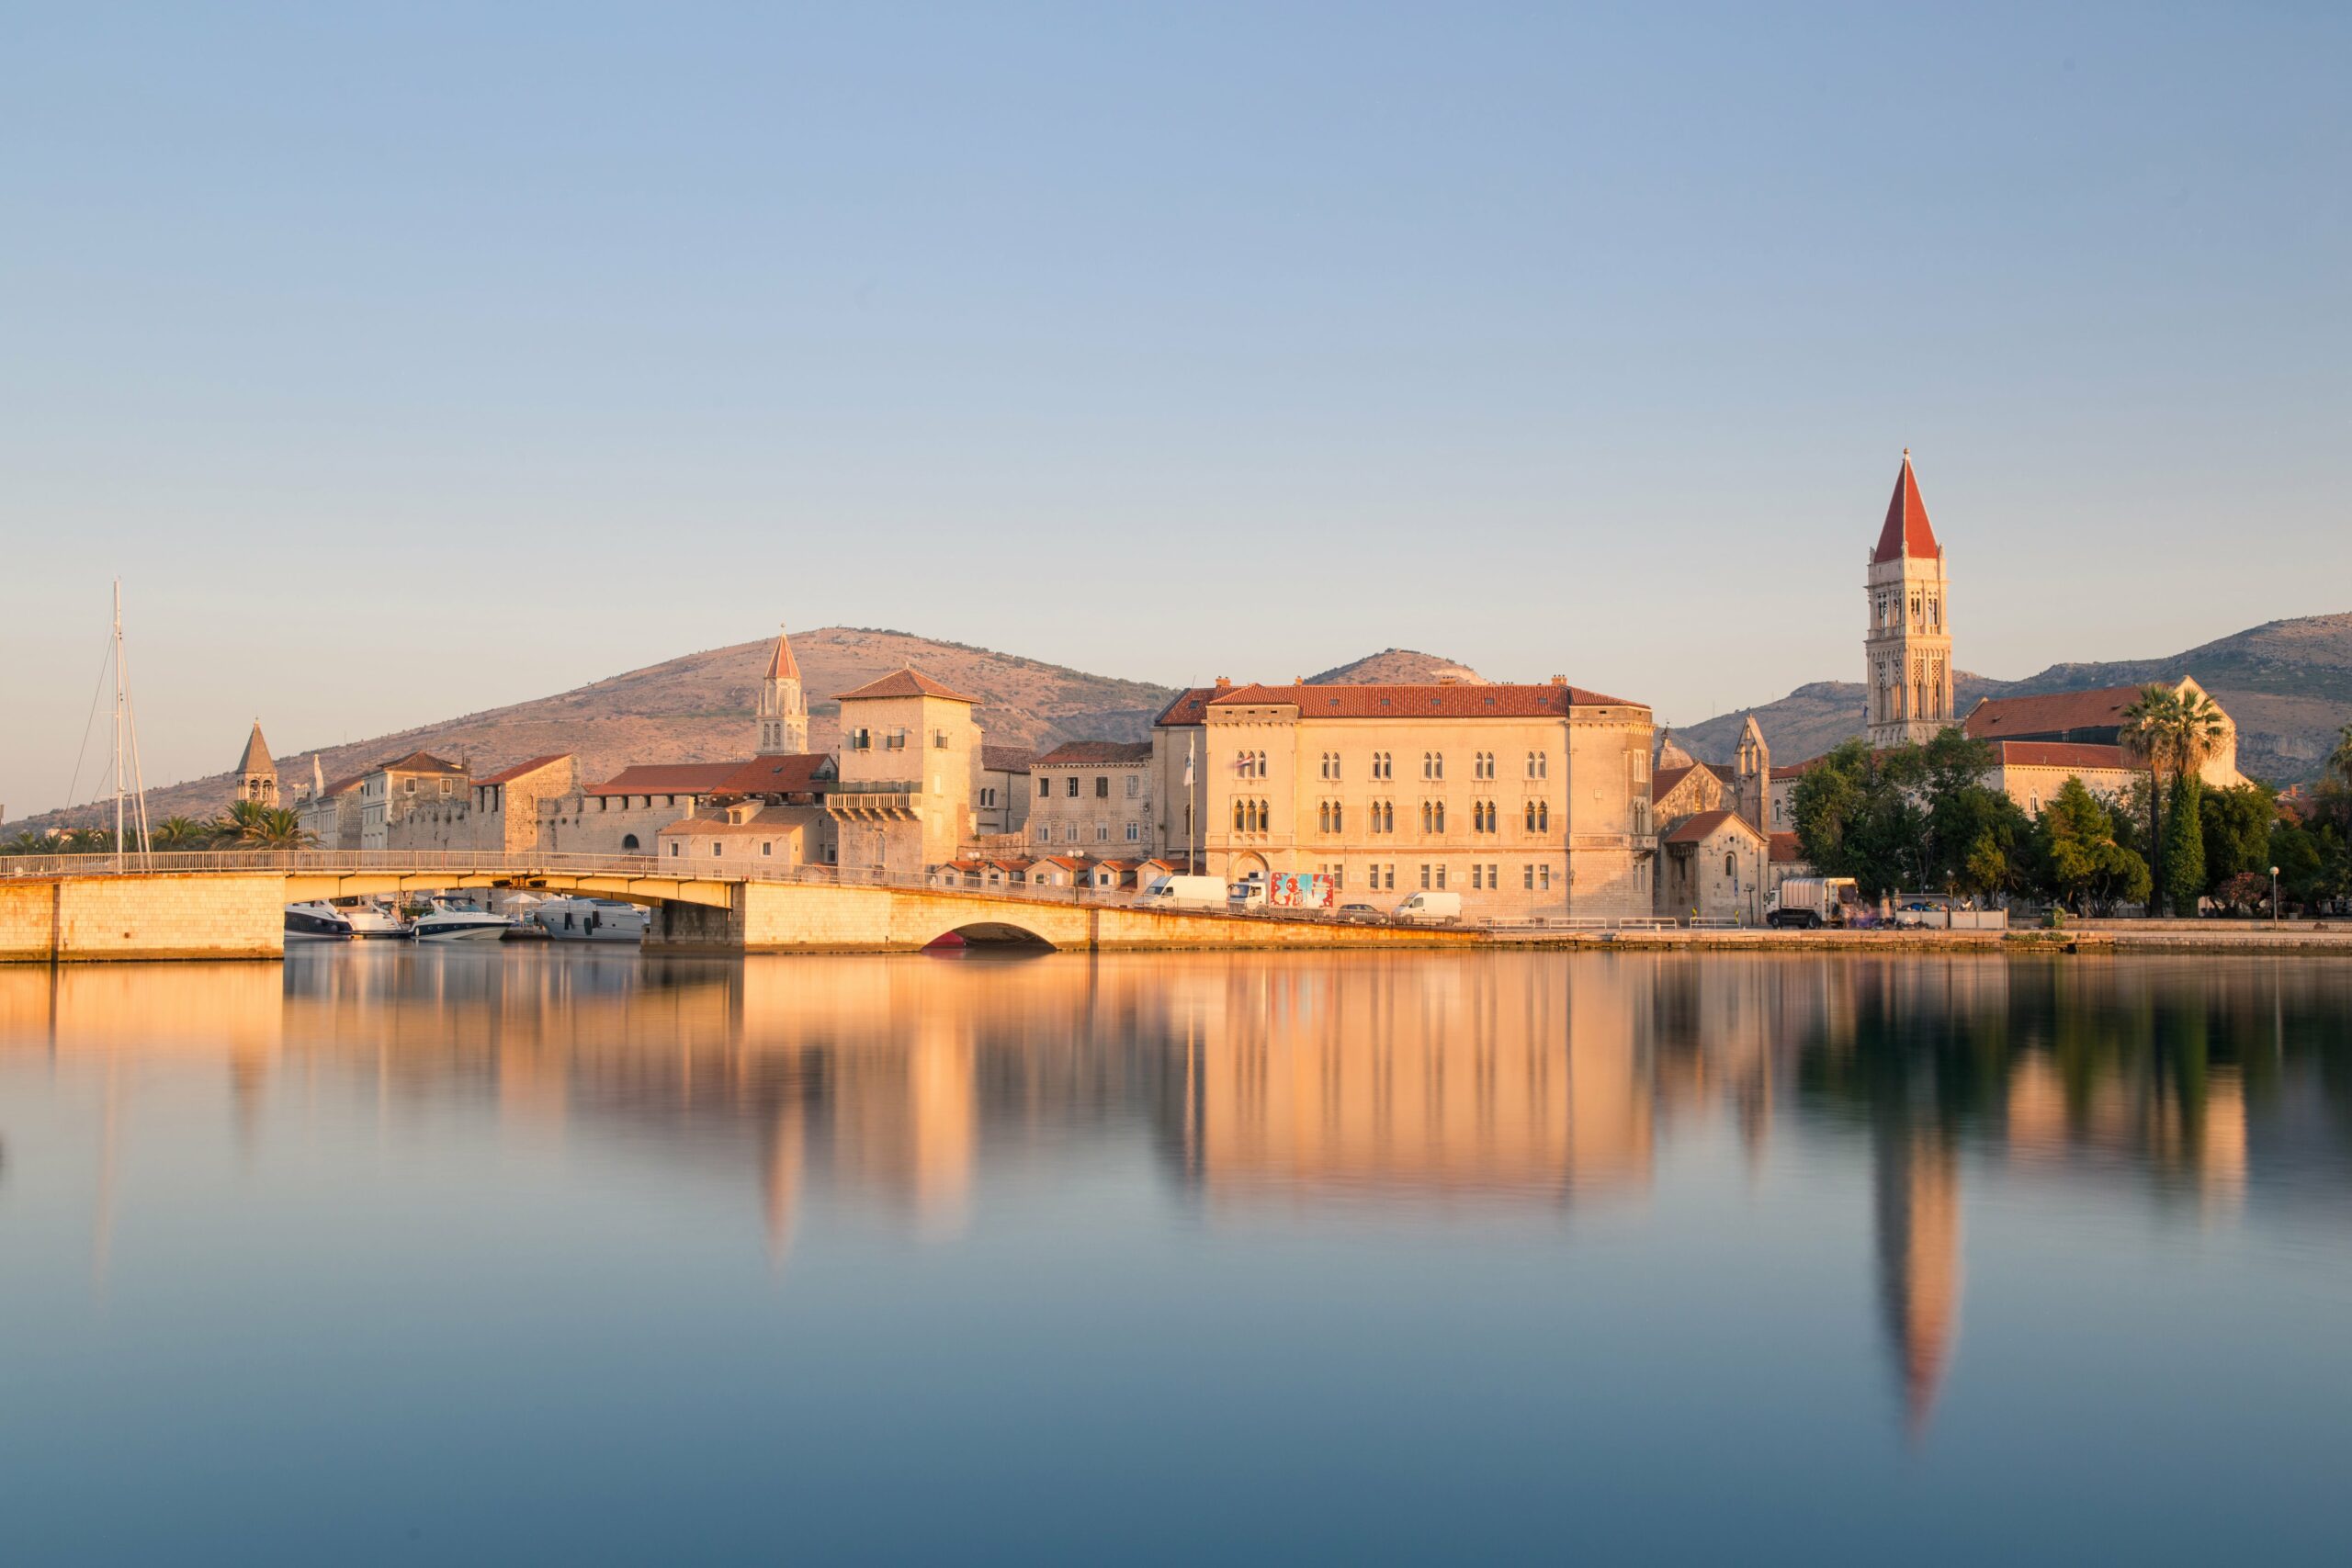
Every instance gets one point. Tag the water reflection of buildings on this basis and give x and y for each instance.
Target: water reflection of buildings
(1520, 1083)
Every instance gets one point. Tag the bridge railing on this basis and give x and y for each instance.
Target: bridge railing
(662, 868)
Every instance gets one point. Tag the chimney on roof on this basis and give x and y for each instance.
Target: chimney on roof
(1224, 682)
(1559, 680)
(1449, 679)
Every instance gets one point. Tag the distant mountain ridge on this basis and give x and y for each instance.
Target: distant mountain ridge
(2288, 684)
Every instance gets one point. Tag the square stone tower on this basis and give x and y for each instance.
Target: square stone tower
(1907, 653)
(911, 752)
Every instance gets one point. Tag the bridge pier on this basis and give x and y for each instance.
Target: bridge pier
(83, 920)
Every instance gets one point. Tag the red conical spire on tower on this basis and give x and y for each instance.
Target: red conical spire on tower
(1906, 532)
(781, 664)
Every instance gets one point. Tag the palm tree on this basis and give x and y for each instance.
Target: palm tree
(250, 825)
(2339, 762)
(2200, 729)
(2149, 731)
(180, 833)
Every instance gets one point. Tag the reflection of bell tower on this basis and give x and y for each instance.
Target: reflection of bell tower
(1916, 1179)
(782, 711)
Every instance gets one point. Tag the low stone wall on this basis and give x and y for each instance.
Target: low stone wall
(72, 919)
(771, 916)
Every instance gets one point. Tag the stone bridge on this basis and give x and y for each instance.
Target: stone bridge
(73, 908)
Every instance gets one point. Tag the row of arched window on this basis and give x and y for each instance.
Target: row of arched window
(1483, 765)
(1330, 817)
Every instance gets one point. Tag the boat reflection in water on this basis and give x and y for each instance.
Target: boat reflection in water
(1166, 1108)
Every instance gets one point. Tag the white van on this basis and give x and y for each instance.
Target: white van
(1250, 893)
(1429, 906)
(1184, 893)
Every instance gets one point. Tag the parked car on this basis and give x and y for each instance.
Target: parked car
(1359, 912)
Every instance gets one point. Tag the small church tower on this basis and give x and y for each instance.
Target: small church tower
(782, 711)
(1907, 653)
(257, 774)
(1752, 776)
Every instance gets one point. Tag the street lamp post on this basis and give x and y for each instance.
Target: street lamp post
(2274, 895)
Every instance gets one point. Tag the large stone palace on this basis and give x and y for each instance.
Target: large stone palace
(1528, 801)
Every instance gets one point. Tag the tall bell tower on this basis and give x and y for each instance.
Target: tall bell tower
(1907, 653)
(782, 711)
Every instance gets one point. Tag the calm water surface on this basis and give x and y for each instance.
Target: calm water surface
(520, 1254)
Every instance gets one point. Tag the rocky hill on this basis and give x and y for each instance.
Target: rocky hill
(2287, 684)
(698, 708)
(1397, 667)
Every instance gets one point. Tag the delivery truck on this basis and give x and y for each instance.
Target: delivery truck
(1428, 908)
(1184, 893)
(1807, 902)
(1301, 890)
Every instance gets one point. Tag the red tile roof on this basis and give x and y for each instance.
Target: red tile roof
(907, 682)
(508, 775)
(1006, 758)
(794, 774)
(1096, 753)
(417, 763)
(1662, 782)
(1906, 532)
(1190, 706)
(2053, 714)
(1420, 702)
(2063, 754)
(1785, 851)
(782, 666)
(668, 778)
(1693, 829)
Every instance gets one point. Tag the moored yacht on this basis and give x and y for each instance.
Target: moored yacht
(368, 917)
(457, 922)
(316, 921)
(591, 919)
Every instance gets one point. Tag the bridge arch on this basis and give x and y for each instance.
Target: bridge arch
(1001, 936)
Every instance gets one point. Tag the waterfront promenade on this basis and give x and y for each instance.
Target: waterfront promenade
(230, 905)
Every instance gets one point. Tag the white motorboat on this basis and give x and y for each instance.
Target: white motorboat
(591, 919)
(369, 918)
(316, 921)
(452, 922)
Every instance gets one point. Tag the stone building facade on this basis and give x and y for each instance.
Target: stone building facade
(506, 805)
(416, 802)
(1001, 806)
(1094, 797)
(1527, 800)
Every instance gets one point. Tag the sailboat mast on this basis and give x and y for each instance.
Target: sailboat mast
(120, 694)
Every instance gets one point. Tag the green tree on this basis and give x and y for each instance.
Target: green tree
(2184, 870)
(2236, 825)
(2083, 861)
(180, 833)
(2149, 725)
(250, 825)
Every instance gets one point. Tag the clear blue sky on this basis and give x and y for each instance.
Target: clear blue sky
(410, 360)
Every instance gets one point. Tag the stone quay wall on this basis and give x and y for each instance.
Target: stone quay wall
(74, 920)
